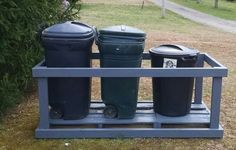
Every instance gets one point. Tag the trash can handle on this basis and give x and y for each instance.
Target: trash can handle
(95, 35)
(189, 59)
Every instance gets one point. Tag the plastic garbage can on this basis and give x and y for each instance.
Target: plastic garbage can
(120, 46)
(68, 44)
(172, 96)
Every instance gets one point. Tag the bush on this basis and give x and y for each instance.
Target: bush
(19, 46)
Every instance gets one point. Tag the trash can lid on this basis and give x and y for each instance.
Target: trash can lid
(68, 29)
(174, 50)
(122, 30)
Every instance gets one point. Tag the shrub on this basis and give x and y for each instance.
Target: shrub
(19, 46)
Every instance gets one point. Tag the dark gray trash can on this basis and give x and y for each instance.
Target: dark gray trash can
(68, 44)
(172, 96)
(120, 46)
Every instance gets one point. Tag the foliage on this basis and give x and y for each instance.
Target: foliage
(19, 46)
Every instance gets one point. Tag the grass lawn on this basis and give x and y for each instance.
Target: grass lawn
(17, 128)
(226, 10)
(147, 18)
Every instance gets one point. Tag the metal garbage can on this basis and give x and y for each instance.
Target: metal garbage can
(68, 44)
(172, 96)
(120, 46)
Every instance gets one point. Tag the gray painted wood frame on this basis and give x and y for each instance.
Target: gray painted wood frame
(199, 114)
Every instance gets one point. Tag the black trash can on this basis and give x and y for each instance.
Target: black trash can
(172, 96)
(120, 46)
(68, 44)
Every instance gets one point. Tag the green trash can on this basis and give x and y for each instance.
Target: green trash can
(120, 46)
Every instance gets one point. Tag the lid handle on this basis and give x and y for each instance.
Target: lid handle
(123, 27)
(80, 23)
(180, 47)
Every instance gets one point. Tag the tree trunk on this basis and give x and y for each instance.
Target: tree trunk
(142, 5)
(216, 3)
(199, 1)
(163, 9)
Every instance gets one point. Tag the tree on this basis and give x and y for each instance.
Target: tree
(163, 9)
(216, 3)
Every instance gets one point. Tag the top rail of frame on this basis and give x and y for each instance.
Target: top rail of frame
(216, 70)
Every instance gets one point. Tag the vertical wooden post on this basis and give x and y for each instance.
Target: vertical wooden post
(43, 103)
(163, 9)
(215, 102)
(199, 82)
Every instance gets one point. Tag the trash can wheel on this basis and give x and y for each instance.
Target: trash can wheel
(110, 111)
(55, 113)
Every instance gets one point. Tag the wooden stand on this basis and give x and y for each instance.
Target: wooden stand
(201, 122)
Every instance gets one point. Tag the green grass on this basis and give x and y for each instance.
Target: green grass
(226, 10)
(147, 19)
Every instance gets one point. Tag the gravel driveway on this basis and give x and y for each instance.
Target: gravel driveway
(199, 17)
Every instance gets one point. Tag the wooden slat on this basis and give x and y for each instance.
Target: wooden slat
(188, 119)
(198, 114)
(99, 119)
(150, 111)
(139, 119)
(130, 133)
(144, 105)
